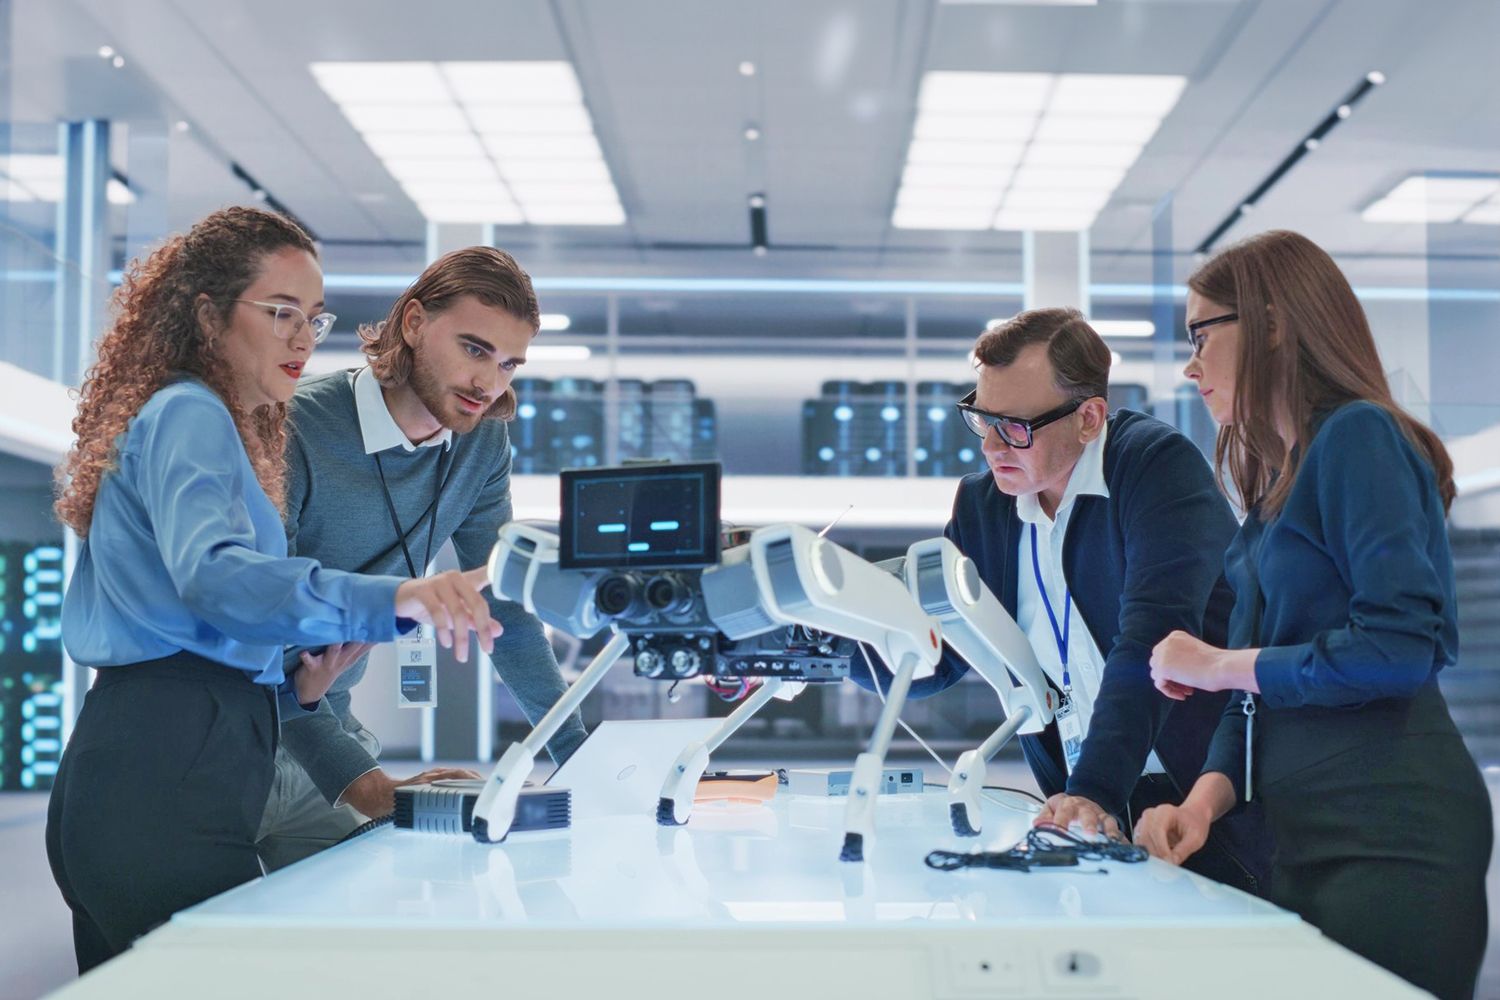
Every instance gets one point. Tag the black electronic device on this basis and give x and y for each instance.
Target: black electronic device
(792, 652)
(640, 517)
(649, 531)
(448, 807)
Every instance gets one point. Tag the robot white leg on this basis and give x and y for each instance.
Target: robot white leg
(676, 802)
(966, 787)
(496, 808)
(869, 767)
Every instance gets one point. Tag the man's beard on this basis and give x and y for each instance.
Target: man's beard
(439, 401)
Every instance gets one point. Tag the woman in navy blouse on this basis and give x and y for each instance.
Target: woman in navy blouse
(1344, 615)
(183, 596)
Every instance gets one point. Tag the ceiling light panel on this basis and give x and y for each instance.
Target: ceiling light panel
(425, 145)
(1487, 214)
(382, 82)
(1067, 140)
(517, 170)
(932, 175)
(499, 142)
(940, 197)
(942, 218)
(1436, 198)
(477, 168)
(409, 118)
(967, 128)
(965, 154)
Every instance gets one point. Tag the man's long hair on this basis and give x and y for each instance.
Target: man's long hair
(492, 276)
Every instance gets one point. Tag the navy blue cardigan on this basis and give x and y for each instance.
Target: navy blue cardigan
(1144, 561)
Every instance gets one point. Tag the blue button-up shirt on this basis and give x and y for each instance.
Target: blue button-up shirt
(186, 552)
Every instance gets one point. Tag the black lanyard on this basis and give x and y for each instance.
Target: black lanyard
(444, 466)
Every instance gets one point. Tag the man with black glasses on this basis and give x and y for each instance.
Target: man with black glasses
(1100, 535)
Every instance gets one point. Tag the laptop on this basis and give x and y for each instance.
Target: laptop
(619, 769)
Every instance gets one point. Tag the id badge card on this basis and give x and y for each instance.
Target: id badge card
(1070, 730)
(416, 668)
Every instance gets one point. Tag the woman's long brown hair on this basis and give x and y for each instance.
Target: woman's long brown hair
(1305, 346)
(156, 336)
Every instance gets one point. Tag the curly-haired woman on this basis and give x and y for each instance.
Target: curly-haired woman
(183, 595)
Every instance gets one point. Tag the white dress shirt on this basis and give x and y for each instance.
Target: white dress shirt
(376, 425)
(1085, 662)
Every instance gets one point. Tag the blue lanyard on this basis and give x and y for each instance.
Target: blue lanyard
(1059, 634)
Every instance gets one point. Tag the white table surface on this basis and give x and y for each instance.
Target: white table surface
(752, 898)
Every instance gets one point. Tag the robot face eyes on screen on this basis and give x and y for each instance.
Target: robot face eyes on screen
(643, 536)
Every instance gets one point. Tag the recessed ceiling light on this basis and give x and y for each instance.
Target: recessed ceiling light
(1435, 198)
(439, 116)
(944, 197)
(942, 218)
(747, 68)
(965, 154)
(1057, 144)
(512, 140)
(1487, 214)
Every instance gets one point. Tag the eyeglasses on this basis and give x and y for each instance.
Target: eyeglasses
(1196, 339)
(1014, 431)
(287, 320)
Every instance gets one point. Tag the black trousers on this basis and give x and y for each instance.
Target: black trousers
(1384, 848)
(158, 798)
(1216, 859)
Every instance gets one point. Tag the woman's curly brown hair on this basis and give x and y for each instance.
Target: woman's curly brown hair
(156, 336)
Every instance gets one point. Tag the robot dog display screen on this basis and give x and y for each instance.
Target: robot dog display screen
(666, 515)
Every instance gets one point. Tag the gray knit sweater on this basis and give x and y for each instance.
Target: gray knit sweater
(336, 514)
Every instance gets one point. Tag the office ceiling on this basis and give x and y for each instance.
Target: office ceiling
(834, 97)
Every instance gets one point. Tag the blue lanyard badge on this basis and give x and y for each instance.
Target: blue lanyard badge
(1059, 634)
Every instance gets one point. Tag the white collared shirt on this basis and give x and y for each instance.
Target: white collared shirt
(1085, 662)
(377, 427)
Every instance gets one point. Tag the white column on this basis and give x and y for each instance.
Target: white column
(1055, 270)
(445, 236)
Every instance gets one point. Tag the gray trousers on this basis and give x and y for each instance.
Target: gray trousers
(298, 821)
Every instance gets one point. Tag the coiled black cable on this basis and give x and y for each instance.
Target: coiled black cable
(1044, 847)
